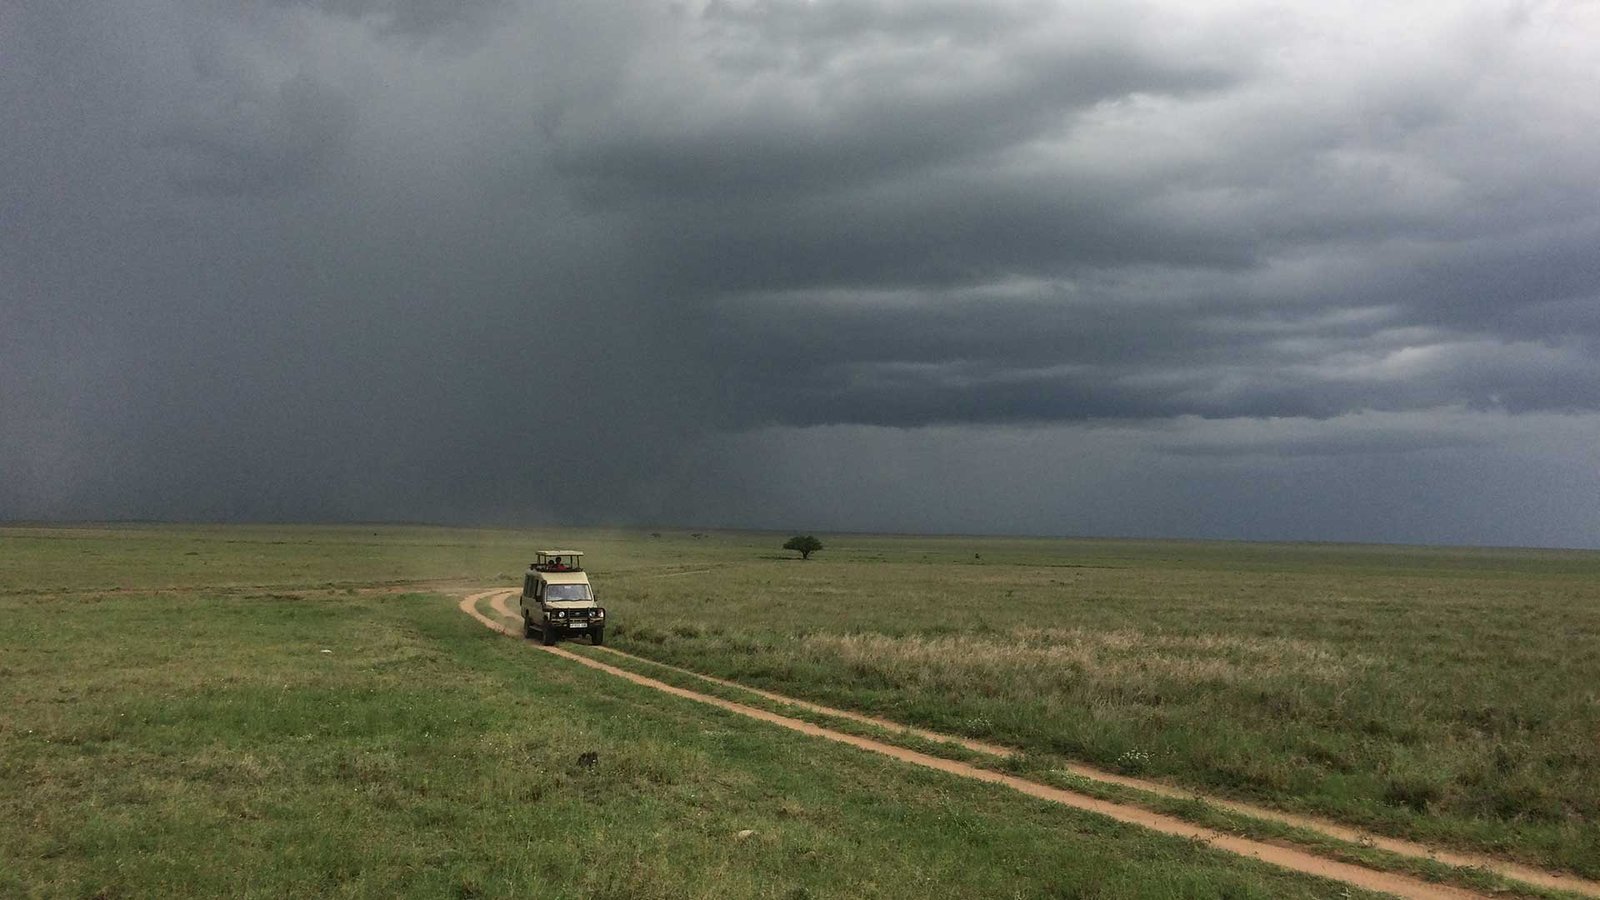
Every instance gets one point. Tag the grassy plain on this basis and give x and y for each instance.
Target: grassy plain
(1451, 695)
(276, 712)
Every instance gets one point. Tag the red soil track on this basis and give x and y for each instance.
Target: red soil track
(1287, 857)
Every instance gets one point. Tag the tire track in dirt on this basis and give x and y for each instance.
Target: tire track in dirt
(1398, 846)
(1286, 857)
(681, 574)
(502, 605)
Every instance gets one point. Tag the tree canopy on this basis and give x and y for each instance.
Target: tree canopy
(804, 544)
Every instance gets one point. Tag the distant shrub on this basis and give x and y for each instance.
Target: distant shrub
(803, 544)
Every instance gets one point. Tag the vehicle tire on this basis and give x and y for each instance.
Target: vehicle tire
(598, 636)
(527, 626)
(547, 634)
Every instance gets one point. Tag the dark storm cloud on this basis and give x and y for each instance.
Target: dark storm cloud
(806, 166)
(256, 141)
(410, 18)
(998, 356)
(389, 258)
(785, 106)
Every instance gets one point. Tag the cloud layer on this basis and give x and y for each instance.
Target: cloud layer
(612, 261)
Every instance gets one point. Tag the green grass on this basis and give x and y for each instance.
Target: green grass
(1040, 769)
(170, 726)
(1442, 694)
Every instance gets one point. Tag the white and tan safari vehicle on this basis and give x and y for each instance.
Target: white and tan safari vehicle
(557, 599)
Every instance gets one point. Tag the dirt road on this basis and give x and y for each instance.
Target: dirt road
(1287, 857)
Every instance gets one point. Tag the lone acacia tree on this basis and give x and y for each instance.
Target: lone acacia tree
(804, 544)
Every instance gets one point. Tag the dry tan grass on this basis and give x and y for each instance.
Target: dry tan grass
(1056, 655)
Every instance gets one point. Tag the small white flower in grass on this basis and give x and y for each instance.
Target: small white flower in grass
(1134, 759)
(327, 651)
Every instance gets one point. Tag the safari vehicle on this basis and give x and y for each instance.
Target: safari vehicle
(557, 599)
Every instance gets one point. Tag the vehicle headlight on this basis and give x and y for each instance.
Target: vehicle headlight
(561, 614)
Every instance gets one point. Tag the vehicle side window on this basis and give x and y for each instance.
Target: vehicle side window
(527, 586)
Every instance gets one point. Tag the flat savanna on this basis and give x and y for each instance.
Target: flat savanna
(171, 724)
(1451, 695)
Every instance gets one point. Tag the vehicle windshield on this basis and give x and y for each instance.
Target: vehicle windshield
(567, 592)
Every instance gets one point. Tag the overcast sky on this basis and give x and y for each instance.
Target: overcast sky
(1231, 269)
